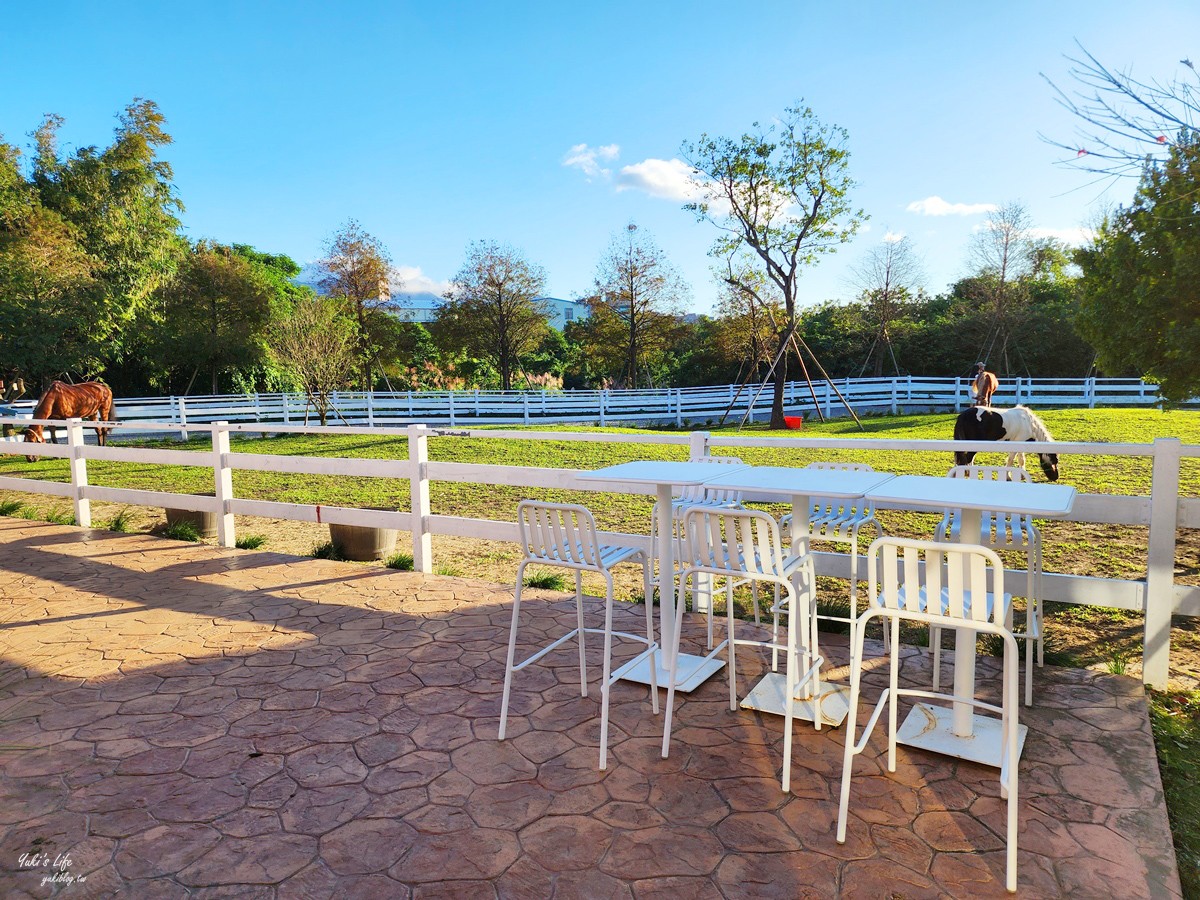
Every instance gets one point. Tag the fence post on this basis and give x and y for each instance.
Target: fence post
(83, 506)
(1160, 561)
(223, 484)
(370, 409)
(183, 432)
(600, 395)
(524, 407)
(418, 486)
(895, 398)
(287, 418)
(450, 406)
(678, 407)
(1091, 393)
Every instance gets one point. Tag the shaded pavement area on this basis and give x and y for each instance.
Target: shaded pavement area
(182, 720)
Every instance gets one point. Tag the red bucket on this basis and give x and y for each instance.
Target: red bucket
(794, 422)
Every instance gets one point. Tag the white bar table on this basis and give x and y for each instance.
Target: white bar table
(691, 671)
(959, 732)
(801, 485)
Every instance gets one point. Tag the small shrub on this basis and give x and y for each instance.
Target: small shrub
(119, 522)
(550, 581)
(10, 507)
(182, 531)
(401, 560)
(250, 541)
(328, 550)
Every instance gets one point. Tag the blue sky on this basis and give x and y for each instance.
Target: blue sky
(537, 124)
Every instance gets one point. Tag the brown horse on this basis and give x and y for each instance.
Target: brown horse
(983, 387)
(90, 400)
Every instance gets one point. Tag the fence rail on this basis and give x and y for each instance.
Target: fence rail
(1157, 595)
(671, 406)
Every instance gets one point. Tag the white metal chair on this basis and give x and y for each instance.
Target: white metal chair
(744, 544)
(1004, 531)
(563, 534)
(942, 585)
(693, 496)
(839, 521)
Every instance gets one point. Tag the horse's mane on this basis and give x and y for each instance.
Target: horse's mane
(45, 404)
(1036, 425)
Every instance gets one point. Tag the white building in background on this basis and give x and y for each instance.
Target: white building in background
(563, 312)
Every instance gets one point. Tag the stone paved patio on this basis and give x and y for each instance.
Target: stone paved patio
(196, 721)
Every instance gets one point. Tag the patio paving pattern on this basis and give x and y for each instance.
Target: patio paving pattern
(182, 720)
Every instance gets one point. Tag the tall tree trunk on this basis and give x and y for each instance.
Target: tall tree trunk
(780, 381)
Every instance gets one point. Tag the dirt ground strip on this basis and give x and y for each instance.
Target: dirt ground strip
(182, 720)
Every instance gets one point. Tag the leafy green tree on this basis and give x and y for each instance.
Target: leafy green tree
(492, 312)
(121, 206)
(358, 268)
(638, 296)
(47, 285)
(212, 317)
(780, 194)
(1140, 290)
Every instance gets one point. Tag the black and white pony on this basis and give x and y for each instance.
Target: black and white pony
(982, 423)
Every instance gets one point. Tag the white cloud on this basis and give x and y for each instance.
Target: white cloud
(893, 237)
(670, 179)
(411, 280)
(588, 159)
(936, 206)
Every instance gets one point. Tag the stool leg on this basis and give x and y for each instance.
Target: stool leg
(673, 657)
(789, 703)
(579, 621)
(605, 686)
(730, 657)
(894, 686)
(512, 649)
(856, 652)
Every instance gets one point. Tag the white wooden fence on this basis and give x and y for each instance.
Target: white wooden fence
(674, 406)
(1164, 511)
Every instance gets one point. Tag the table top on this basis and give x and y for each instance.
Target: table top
(969, 493)
(791, 480)
(660, 471)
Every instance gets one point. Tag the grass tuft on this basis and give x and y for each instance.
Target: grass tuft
(550, 581)
(119, 522)
(400, 560)
(182, 531)
(250, 541)
(58, 517)
(10, 507)
(328, 550)
(1118, 659)
(448, 570)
